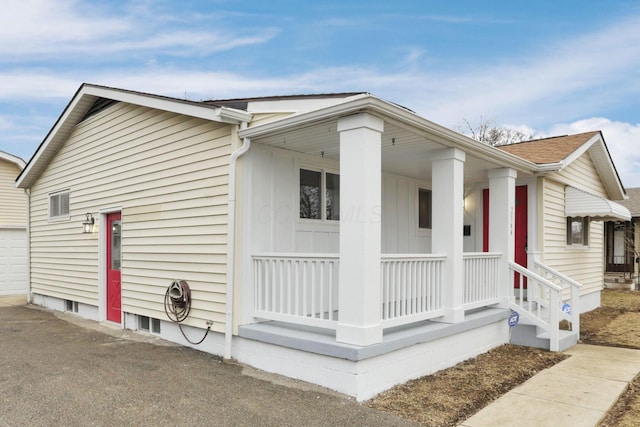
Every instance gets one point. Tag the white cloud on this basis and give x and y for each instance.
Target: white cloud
(38, 29)
(622, 139)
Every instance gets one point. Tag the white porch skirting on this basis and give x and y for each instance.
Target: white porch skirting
(363, 372)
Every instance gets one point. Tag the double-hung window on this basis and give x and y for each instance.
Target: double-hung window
(577, 231)
(59, 205)
(319, 195)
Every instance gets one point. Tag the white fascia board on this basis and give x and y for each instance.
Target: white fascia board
(58, 132)
(13, 159)
(81, 102)
(602, 160)
(582, 149)
(188, 108)
(551, 167)
(387, 110)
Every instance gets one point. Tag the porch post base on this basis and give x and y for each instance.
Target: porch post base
(453, 315)
(506, 301)
(359, 335)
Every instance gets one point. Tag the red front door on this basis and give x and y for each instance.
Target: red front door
(114, 288)
(520, 227)
(521, 232)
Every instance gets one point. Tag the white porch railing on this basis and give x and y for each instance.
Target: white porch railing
(411, 288)
(297, 288)
(481, 279)
(303, 288)
(542, 301)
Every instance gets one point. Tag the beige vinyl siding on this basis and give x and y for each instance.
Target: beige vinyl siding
(582, 174)
(169, 173)
(262, 118)
(584, 264)
(12, 199)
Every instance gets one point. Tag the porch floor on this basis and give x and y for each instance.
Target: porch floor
(323, 341)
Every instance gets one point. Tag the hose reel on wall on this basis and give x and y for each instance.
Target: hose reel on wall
(177, 306)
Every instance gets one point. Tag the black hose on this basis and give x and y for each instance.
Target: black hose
(177, 306)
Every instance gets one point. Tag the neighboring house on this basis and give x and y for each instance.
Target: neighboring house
(339, 239)
(622, 246)
(574, 191)
(13, 234)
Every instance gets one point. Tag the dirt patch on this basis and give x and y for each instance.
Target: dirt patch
(616, 324)
(626, 411)
(453, 395)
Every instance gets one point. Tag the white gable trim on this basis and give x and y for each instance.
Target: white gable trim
(13, 159)
(581, 203)
(84, 98)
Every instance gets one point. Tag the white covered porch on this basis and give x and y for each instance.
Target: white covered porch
(364, 283)
(373, 299)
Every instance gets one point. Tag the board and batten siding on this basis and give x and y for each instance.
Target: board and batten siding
(583, 264)
(274, 210)
(169, 173)
(12, 200)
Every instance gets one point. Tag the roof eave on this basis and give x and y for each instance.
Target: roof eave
(13, 159)
(82, 100)
(379, 107)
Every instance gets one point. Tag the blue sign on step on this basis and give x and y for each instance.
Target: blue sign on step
(514, 318)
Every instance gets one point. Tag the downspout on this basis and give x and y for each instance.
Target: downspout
(231, 244)
(27, 194)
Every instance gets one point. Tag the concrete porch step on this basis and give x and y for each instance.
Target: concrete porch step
(532, 336)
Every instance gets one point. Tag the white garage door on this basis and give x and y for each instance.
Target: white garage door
(13, 261)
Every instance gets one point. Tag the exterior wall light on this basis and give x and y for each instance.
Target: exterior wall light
(87, 225)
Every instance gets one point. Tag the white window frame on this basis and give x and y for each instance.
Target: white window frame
(424, 229)
(55, 198)
(585, 231)
(323, 194)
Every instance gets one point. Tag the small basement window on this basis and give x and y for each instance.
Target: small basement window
(149, 324)
(59, 205)
(71, 306)
(578, 231)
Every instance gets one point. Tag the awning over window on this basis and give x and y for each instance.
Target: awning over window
(581, 203)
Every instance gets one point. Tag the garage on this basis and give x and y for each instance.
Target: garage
(13, 261)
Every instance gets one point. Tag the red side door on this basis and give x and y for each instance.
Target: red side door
(114, 260)
(521, 232)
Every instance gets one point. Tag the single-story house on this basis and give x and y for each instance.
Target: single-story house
(339, 239)
(13, 232)
(622, 246)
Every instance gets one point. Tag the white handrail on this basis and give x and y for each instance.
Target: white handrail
(534, 276)
(553, 272)
(533, 309)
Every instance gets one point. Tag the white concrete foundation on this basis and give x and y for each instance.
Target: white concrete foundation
(364, 379)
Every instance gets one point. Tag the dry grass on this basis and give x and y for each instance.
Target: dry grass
(617, 323)
(453, 395)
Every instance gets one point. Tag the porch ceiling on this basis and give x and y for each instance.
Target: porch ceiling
(404, 152)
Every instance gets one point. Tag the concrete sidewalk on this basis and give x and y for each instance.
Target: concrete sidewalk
(576, 392)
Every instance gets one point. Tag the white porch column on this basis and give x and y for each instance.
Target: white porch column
(447, 196)
(360, 229)
(502, 202)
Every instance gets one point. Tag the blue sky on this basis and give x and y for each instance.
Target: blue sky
(544, 67)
